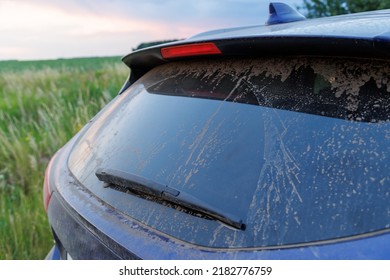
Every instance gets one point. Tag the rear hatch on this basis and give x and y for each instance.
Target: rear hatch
(272, 152)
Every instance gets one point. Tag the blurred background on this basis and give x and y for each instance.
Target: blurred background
(49, 29)
(60, 63)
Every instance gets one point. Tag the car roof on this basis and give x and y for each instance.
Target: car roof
(359, 35)
(365, 25)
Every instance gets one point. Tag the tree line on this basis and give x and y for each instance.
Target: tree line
(324, 8)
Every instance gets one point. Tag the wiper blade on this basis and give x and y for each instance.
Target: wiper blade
(146, 186)
(134, 182)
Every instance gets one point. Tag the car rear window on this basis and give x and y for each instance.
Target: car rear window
(297, 147)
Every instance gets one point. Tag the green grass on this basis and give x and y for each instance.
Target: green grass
(42, 105)
(84, 64)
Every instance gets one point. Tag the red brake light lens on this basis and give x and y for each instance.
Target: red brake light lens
(190, 50)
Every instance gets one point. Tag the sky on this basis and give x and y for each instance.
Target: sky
(50, 29)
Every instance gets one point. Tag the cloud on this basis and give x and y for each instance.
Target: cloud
(57, 28)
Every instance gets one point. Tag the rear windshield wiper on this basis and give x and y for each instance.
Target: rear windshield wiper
(145, 186)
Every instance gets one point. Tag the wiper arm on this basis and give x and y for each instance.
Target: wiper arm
(145, 186)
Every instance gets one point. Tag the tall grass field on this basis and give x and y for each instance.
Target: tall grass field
(42, 105)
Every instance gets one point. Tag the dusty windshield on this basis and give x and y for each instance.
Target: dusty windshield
(295, 147)
(348, 89)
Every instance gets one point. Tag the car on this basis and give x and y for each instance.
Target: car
(259, 142)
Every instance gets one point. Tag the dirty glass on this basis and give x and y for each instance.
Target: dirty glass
(298, 148)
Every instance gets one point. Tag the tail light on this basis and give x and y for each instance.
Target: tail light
(190, 50)
(46, 184)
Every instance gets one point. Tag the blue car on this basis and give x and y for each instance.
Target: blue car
(261, 142)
